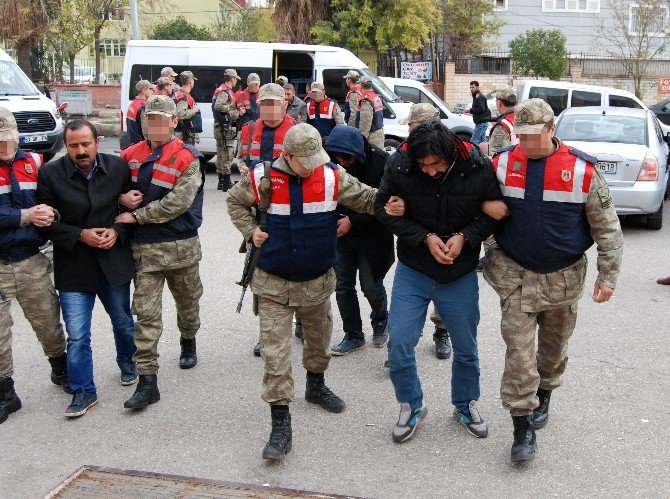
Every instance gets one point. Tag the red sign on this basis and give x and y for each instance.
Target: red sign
(664, 86)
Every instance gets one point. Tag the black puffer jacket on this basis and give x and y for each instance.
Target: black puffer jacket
(443, 207)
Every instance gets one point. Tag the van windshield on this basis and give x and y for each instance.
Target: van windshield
(13, 81)
(386, 93)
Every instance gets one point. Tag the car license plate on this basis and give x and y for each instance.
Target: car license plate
(34, 138)
(607, 166)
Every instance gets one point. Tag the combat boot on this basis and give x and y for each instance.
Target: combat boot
(219, 187)
(299, 332)
(188, 357)
(59, 369)
(318, 393)
(9, 400)
(146, 393)
(281, 437)
(227, 183)
(540, 416)
(442, 344)
(524, 446)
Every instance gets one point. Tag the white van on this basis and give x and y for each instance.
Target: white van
(208, 60)
(40, 125)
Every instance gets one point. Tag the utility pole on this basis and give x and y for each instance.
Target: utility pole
(134, 18)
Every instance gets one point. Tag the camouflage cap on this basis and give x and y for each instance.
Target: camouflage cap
(142, 84)
(270, 91)
(160, 104)
(420, 113)
(317, 87)
(8, 128)
(253, 78)
(304, 142)
(281, 80)
(231, 73)
(504, 93)
(163, 81)
(531, 115)
(366, 81)
(352, 74)
(184, 76)
(168, 71)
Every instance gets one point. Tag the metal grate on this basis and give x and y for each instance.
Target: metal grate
(35, 121)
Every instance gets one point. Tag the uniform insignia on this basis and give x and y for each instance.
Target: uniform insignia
(566, 175)
(516, 166)
(604, 195)
(3, 122)
(172, 160)
(156, 104)
(29, 168)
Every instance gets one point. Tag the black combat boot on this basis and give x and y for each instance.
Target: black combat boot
(9, 400)
(318, 393)
(442, 344)
(299, 332)
(227, 183)
(146, 393)
(220, 186)
(540, 416)
(281, 438)
(59, 369)
(188, 357)
(524, 446)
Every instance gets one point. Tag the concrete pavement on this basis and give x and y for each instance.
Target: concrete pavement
(608, 433)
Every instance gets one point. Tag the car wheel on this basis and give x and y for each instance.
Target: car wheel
(655, 220)
(391, 145)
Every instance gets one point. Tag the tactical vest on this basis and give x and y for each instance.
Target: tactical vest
(155, 174)
(133, 125)
(320, 115)
(193, 124)
(302, 223)
(506, 121)
(223, 119)
(378, 110)
(347, 109)
(257, 145)
(248, 101)
(547, 229)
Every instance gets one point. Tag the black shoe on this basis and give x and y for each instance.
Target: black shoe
(299, 332)
(380, 333)
(188, 357)
(128, 372)
(442, 344)
(59, 369)
(480, 264)
(219, 187)
(318, 393)
(524, 446)
(540, 416)
(81, 403)
(281, 438)
(257, 350)
(9, 400)
(226, 184)
(146, 393)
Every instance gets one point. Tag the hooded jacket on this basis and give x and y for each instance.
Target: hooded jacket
(366, 231)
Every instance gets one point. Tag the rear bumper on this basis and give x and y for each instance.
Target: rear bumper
(638, 199)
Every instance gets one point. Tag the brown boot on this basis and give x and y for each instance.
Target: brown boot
(664, 280)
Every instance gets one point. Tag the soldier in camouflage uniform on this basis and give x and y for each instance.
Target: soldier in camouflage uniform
(188, 112)
(23, 269)
(559, 204)
(353, 95)
(165, 243)
(281, 80)
(501, 134)
(225, 110)
(295, 269)
(370, 114)
(170, 74)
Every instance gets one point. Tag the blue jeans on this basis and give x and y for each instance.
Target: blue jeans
(77, 310)
(354, 259)
(458, 304)
(479, 135)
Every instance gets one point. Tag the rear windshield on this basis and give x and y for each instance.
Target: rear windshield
(599, 128)
(13, 81)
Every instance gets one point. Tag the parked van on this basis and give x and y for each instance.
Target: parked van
(40, 125)
(417, 93)
(208, 60)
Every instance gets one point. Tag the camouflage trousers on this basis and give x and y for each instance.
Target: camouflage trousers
(533, 304)
(278, 300)
(376, 138)
(28, 281)
(186, 288)
(224, 152)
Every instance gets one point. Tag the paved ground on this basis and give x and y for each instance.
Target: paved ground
(608, 434)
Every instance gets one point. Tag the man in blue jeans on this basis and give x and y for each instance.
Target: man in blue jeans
(91, 254)
(444, 182)
(481, 114)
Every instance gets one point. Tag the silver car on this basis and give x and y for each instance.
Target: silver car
(632, 154)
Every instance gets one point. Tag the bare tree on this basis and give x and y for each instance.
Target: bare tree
(635, 34)
(294, 19)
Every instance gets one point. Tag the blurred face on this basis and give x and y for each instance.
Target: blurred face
(474, 89)
(413, 125)
(166, 90)
(318, 95)
(289, 94)
(8, 150)
(537, 145)
(169, 77)
(159, 128)
(146, 93)
(433, 166)
(82, 147)
(345, 160)
(272, 110)
(294, 164)
(253, 87)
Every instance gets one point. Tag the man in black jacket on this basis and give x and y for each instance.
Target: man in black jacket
(363, 243)
(91, 254)
(444, 182)
(481, 114)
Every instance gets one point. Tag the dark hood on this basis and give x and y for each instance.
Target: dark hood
(346, 140)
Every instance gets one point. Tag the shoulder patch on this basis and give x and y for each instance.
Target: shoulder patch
(604, 196)
(582, 155)
(193, 150)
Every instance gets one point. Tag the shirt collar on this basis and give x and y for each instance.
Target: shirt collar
(99, 163)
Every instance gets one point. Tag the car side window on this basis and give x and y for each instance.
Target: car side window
(623, 101)
(409, 94)
(657, 127)
(335, 84)
(557, 98)
(582, 98)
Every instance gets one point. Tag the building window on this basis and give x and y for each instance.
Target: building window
(499, 4)
(589, 6)
(655, 23)
(113, 48)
